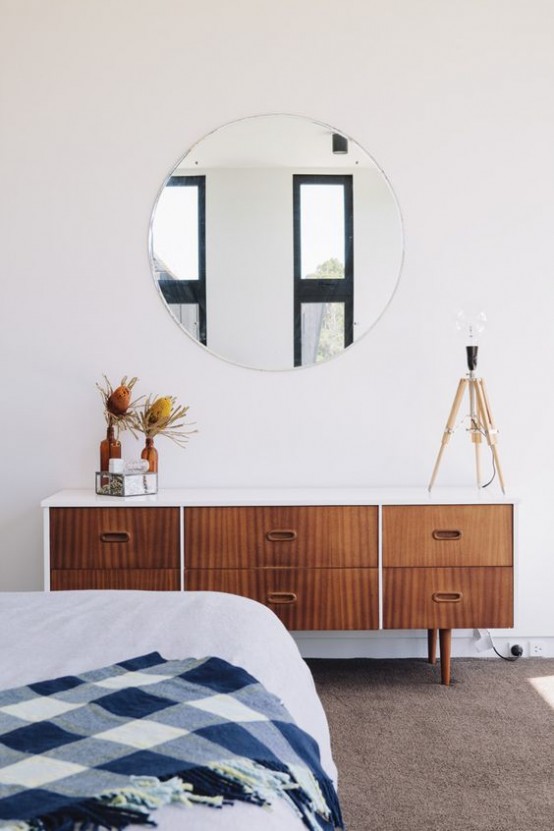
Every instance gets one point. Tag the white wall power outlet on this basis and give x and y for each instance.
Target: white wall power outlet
(536, 649)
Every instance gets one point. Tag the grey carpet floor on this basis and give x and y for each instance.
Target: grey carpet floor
(414, 755)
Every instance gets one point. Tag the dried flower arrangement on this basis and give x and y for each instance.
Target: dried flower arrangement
(156, 416)
(162, 416)
(119, 410)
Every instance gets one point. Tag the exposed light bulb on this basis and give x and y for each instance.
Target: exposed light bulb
(471, 324)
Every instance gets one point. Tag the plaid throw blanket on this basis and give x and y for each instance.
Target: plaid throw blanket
(105, 748)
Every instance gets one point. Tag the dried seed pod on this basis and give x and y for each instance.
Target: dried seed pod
(118, 402)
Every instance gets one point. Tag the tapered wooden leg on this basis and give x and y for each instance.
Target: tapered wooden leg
(432, 645)
(449, 429)
(445, 641)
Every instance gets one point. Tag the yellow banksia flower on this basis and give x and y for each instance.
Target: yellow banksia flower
(162, 416)
(160, 410)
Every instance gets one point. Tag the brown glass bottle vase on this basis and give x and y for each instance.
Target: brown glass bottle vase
(110, 448)
(150, 454)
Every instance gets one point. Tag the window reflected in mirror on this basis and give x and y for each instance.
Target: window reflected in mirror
(179, 256)
(323, 267)
(322, 332)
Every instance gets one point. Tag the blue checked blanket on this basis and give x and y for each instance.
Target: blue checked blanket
(106, 748)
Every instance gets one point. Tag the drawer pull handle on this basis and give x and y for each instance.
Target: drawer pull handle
(281, 535)
(447, 534)
(447, 597)
(281, 597)
(115, 536)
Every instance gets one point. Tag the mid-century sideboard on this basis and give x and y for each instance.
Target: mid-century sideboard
(321, 559)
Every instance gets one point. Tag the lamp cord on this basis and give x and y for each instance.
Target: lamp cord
(493, 472)
(476, 426)
(510, 658)
(505, 657)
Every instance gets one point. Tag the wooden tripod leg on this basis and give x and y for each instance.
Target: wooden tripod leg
(490, 427)
(449, 429)
(498, 468)
(474, 430)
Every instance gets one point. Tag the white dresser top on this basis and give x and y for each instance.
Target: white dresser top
(208, 497)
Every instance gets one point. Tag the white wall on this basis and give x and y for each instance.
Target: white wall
(454, 101)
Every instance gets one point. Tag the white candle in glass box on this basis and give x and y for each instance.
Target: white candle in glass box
(116, 465)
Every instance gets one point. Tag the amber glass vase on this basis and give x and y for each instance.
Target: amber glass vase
(151, 455)
(110, 448)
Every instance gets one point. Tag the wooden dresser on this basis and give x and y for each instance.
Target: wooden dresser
(322, 559)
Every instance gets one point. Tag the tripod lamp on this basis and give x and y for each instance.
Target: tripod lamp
(481, 423)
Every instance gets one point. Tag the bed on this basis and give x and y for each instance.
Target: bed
(51, 635)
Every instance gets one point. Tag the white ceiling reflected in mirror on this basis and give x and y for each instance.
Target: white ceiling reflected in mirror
(276, 242)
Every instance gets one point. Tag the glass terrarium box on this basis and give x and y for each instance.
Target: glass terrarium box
(126, 484)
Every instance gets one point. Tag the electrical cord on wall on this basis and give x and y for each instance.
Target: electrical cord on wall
(515, 654)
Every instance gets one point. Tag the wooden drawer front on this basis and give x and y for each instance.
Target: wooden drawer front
(447, 535)
(113, 538)
(447, 598)
(157, 579)
(289, 536)
(302, 598)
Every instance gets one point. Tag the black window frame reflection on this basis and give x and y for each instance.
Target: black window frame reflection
(329, 290)
(191, 292)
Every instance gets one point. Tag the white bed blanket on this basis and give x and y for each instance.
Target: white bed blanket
(45, 635)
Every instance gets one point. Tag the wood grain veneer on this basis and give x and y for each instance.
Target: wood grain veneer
(447, 535)
(427, 598)
(156, 579)
(246, 537)
(320, 598)
(114, 538)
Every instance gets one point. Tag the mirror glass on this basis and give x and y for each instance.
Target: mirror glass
(276, 242)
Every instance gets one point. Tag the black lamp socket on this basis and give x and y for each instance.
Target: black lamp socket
(471, 352)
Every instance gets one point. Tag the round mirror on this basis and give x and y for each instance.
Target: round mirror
(276, 242)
